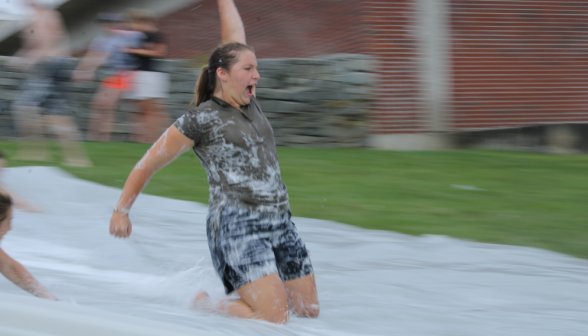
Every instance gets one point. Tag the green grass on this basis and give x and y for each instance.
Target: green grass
(529, 199)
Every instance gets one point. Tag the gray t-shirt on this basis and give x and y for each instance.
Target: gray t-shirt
(114, 44)
(238, 151)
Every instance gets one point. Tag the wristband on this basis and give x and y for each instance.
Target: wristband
(123, 211)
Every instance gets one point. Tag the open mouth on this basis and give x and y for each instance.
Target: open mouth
(249, 90)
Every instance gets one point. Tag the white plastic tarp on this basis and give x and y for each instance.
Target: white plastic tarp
(370, 282)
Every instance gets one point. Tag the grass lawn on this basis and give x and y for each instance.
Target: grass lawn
(527, 199)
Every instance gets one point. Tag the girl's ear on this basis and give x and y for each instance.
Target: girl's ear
(222, 74)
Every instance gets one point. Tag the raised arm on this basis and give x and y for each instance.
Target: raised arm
(16, 273)
(171, 145)
(232, 28)
(156, 50)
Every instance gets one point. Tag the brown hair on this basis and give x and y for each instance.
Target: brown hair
(5, 204)
(224, 57)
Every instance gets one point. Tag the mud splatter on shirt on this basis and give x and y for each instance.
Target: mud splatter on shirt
(238, 152)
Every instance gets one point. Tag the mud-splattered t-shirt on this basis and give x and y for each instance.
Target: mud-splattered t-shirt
(238, 151)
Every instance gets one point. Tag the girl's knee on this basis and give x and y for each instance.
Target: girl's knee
(280, 315)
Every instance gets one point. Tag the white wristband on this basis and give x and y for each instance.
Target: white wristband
(124, 211)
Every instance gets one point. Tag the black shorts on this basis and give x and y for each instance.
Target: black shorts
(45, 87)
(247, 245)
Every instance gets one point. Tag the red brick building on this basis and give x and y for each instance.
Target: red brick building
(518, 63)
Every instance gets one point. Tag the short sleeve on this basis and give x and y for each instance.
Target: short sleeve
(189, 126)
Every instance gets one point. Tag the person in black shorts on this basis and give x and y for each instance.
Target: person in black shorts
(255, 246)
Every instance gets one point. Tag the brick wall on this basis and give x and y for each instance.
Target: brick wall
(276, 28)
(392, 39)
(518, 63)
(512, 63)
(307, 28)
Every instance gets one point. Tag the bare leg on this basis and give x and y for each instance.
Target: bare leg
(157, 121)
(29, 123)
(303, 296)
(163, 119)
(151, 122)
(103, 106)
(69, 138)
(143, 121)
(264, 299)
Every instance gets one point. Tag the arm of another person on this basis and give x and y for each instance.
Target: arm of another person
(19, 275)
(171, 145)
(232, 29)
(155, 50)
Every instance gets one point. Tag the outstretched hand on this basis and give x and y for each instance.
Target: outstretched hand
(120, 225)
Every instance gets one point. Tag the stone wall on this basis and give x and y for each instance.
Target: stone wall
(318, 102)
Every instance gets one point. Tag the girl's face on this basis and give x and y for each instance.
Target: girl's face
(6, 224)
(239, 83)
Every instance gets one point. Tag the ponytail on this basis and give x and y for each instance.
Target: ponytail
(225, 56)
(204, 87)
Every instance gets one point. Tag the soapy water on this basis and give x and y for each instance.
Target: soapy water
(369, 282)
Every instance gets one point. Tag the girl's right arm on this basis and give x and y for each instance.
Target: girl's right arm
(170, 145)
(232, 29)
(19, 275)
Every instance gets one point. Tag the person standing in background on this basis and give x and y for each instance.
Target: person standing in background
(41, 102)
(150, 86)
(108, 51)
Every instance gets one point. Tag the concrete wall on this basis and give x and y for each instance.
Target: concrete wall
(547, 139)
(318, 102)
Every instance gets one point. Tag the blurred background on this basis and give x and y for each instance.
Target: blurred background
(406, 74)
